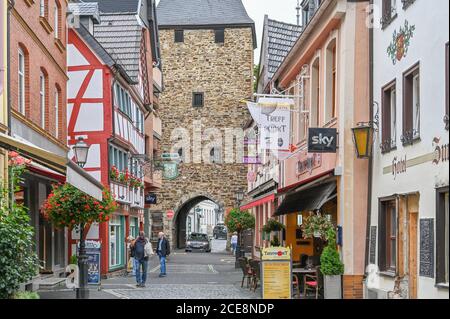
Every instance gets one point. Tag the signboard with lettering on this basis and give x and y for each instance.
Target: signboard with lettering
(322, 140)
(151, 199)
(373, 244)
(93, 253)
(276, 274)
(426, 259)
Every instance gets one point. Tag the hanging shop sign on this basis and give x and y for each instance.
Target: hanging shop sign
(276, 273)
(170, 170)
(151, 199)
(322, 140)
(273, 116)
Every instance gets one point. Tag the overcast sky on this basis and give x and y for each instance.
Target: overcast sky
(281, 10)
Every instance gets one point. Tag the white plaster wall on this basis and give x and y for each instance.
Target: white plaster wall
(427, 46)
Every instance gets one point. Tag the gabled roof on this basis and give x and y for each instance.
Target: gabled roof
(121, 36)
(202, 13)
(281, 38)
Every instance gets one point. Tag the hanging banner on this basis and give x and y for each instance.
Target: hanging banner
(273, 116)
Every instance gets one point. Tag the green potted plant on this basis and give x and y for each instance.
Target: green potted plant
(273, 225)
(239, 221)
(331, 267)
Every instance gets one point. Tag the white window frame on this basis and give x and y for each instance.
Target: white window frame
(56, 21)
(21, 82)
(42, 8)
(56, 112)
(42, 101)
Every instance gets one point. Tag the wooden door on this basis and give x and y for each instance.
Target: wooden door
(413, 221)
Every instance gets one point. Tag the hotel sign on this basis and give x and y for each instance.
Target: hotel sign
(322, 140)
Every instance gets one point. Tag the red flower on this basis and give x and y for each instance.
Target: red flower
(13, 154)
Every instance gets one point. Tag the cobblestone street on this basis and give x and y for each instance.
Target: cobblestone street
(190, 276)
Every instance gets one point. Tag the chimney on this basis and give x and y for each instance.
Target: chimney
(85, 14)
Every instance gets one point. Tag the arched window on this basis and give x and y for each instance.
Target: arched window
(43, 89)
(57, 18)
(330, 82)
(315, 94)
(58, 109)
(22, 62)
(43, 8)
(215, 155)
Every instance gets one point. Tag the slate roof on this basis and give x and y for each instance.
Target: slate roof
(114, 6)
(120, 34)
(281, 38)
(202, 12)
(85, 9)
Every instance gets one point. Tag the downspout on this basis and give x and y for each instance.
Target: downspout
(370, 175)
(9, 7)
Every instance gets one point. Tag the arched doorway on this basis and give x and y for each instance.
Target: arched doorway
(180, 230)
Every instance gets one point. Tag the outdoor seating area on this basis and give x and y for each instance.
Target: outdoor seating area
(307, 279)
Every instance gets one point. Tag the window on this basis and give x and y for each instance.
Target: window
(389, 12)
(315, 94)
(118, 158)
(389, 117)
(134, 227)
(57, 20)
(411, 105)
(179, 36)
(57, 108)
(21, 62)
(197, 99)
(388, 235)
(43, 8)
(115, 241)
(442, 236)
(330, 94)
(123, 101)
(42, 91)
(215, 155)
(447, 66)
(219, 35)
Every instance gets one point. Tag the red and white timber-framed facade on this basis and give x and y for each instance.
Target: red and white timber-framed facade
(106, 108)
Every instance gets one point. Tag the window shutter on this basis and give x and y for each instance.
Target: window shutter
(407, 104)
(387, 9)
(386, 116)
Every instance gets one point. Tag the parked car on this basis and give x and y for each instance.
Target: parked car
(220, 232)
(198, 241)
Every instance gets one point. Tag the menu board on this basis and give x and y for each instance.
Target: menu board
(276, 280)
(373, 245)
(426, 248)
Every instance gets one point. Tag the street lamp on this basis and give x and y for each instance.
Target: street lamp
(81, 150)
(363, 138)
(239, 197)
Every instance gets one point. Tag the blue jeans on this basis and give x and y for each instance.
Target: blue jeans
(233, 247)
(141, 278)
(162, 262)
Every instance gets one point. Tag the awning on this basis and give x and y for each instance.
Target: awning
(306, 200)
(258, 202)
(41, 156)
(305, 181)
(54, 166)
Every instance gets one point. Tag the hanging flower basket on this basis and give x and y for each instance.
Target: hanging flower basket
(317, 226)
(273, 225)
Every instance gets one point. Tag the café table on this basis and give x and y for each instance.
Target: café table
(302, 272)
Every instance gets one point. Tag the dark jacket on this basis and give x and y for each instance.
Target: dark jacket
(165, 247)
(139, 251)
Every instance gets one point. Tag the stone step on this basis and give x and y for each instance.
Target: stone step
(50, 283)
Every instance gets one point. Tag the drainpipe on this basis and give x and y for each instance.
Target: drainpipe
(370, 176)
(9, 7)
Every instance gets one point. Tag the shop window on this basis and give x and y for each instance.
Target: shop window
(411, 105)
(442, 236)
(179, 36)
(387, 242)
(115, 241)
(389, 117)
(197, 99)
(219, 35)
(315, 94)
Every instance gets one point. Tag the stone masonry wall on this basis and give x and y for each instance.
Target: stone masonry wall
(224, 72)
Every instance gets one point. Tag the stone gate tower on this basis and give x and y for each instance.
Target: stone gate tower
(207, 53)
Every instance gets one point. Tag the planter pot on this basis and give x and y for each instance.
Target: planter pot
(332, 287)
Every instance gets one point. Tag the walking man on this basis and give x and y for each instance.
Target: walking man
(163, 250)
(142, 252)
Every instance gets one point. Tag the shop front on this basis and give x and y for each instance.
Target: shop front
(297, 205)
